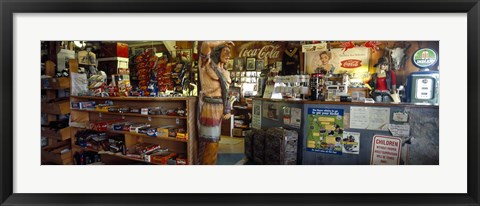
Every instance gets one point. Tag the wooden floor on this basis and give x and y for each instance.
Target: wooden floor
(231, 145)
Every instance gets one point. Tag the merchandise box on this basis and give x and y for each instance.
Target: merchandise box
(60, 107)
(236, 132)
(58, 153)
(114, 65)
(83, 105)
(62, 134)
(56, 83)
(114, 49)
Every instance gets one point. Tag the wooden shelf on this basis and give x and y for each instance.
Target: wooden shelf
(144, 135)
(113, 154)
(137, 98)
(62, 134)
(141, 135)
(58, 108)
(132, 114)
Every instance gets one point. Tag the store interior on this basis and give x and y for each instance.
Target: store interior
(359, 102)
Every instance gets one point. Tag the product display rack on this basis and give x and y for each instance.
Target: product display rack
(55, 151)
(187, 146)
(241, 112)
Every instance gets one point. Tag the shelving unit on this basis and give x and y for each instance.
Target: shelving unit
(186, 146)
(54, 152)
(241, 112)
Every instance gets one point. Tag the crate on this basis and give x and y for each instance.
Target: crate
(62, 134)
(51, 154)
(281, 146)
(59, 108)
(249, 143)
(259, 147)
(56, 83)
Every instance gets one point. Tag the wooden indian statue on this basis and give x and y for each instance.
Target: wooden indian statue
(214, 103)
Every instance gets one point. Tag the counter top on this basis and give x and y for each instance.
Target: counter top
(347, 103)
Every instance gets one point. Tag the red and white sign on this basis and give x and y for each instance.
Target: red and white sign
(351, 63)
(386, 150)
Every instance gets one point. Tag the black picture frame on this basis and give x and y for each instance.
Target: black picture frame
(250, 64)
(9, 8)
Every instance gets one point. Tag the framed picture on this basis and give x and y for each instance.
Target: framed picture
(278, 65)
(260, 64)
(239, 64)
(25, 183)
(229, 65)
(250, 64)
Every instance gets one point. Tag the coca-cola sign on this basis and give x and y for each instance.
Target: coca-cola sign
(268, 51)
(351, 63)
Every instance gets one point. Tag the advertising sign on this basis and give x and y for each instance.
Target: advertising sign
(325, 130)
(425, 58)
(352, 61)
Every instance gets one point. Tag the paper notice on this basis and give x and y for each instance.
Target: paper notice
(399, 130)
(400, 117)
(379, 118)
(359, 117)
(296, 117)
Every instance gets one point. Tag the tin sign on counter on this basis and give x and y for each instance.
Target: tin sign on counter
(386, 150)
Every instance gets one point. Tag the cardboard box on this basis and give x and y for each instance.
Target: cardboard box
(62, 134)
(60, 107)
(182, 135)
(236, 132)
(136, 127)
(149, 131)
(116, 49)
(56, 83)
(58, 153)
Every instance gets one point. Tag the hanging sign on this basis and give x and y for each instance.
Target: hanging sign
(424, 58)
(386, 150)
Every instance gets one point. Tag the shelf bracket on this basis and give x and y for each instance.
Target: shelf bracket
(123, 116)
(100, 114)
(149, 118)
(177, 120)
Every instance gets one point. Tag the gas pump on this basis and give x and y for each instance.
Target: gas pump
(423, 86)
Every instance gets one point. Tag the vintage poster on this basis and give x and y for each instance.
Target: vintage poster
(372, 118)
(351, 143)
(313, 61)
(354, 61)
(257, 114)
(296, 117)
(325, 130)
(386, 150)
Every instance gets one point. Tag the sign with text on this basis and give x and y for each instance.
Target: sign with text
(325, 130)
(259, 50)
(353, 61)
(386, 150)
